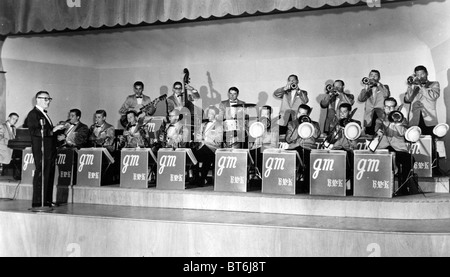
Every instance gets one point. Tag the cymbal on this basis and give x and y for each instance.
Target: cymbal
(246, 105)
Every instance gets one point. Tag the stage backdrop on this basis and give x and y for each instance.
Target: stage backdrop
(96, 69)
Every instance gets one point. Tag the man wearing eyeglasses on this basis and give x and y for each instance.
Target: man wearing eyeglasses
(391, 134)
(135, 102)
(38, 120)
(177, 101)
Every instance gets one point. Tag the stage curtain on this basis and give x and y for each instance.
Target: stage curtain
(36, 16)
(2, 85)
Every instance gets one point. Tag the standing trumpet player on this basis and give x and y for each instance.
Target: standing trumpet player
(373, 95)
(334, 98)
(291, 98)
(422, 95)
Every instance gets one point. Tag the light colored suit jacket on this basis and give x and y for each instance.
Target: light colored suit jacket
(332, 106)
(374, 102)
(394, 134)
(288, 107)
(6, 133)
(423, 101)
(294, 140)
(224, 108)
(132, 104)
(105, 137)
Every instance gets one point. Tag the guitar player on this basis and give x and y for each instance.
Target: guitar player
(135, 102)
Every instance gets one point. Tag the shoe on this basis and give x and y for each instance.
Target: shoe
(51, 204)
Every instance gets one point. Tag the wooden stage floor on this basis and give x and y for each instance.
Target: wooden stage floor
(111, 221)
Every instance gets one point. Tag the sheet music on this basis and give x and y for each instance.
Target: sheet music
(190, 154)
(107, 154)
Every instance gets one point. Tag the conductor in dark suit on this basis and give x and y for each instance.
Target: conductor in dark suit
(37, 120)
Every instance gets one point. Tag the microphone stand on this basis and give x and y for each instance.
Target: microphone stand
(42, 208)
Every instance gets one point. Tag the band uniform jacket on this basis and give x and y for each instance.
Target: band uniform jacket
(290, 106)
(136, 137)
(332, 106)
(374, 102)
(294, 140)
(394, 134)
(79, 136)
(343, 142)
(178, 135)
(6, 134)
(422, 100)
(212, 135)
(104, 138)
(131, 103)
(175, 102)
(224, 108)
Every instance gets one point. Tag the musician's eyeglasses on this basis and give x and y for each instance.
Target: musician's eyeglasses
(46, 98)
(177, 88)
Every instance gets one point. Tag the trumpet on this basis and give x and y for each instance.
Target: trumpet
(294, 86)
(331, 90)
(413, 80)
(368, 81)
(303, 119)
(396, 117)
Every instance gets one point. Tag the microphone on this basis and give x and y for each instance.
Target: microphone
(42, 122)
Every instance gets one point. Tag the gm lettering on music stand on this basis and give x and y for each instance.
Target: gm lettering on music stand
(65, 161)
(171, 169)
(134, 169)
(28, 166)
(89, 166)
(231, 170)
(372, 174)
(421, 152)
(327, 172)
(279, 171)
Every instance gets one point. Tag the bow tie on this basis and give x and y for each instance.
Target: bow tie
(132, 125)
(45, 111)
(233, 102)
(98, 126)
(139, 97)
(13, 126)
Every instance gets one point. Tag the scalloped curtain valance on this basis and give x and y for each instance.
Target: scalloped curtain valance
(39, 16)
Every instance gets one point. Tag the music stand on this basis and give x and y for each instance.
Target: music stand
(412, 138)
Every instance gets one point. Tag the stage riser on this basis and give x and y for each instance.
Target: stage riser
(41, 235)
(419, 208)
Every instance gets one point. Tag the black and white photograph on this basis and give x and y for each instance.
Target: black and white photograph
(222, 134)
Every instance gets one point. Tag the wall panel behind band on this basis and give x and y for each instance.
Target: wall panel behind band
(96, 69)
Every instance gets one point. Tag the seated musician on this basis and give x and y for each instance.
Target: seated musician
(301, 145)
(174, 134)
(224, 106)
(7, 132)
(269, 138)
(206, 144)
(134, 135)
(341, 142)
(101, 134)
(75, 133)
(234, 127)
(391, 132)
